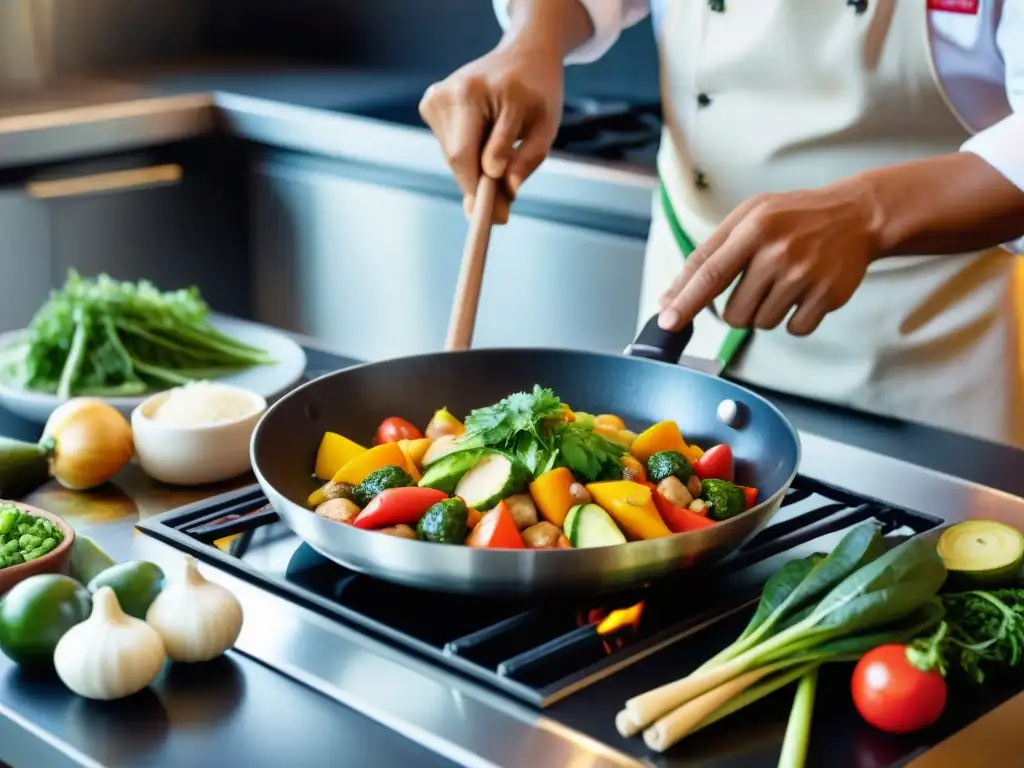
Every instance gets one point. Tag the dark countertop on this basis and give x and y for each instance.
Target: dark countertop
(236, 711)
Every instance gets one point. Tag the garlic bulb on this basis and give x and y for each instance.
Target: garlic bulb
(110, 654)
(197, 619)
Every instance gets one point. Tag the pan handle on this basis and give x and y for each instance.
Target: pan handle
(654, 343)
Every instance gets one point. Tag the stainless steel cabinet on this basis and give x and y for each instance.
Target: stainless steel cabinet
(25, 265)
(370, 268)
(160, 216)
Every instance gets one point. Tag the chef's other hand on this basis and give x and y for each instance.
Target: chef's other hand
(804, 250)
(479, 112)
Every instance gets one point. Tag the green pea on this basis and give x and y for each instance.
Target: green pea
(37, 552)
(15, 559)
(28, 541)
(48, 544)
(8, 518)
(24, 528)
(11, 547)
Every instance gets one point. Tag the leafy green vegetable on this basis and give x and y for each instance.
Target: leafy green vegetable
(819, 610)
(521, 412)
(529, 426)
(587, 454)
(980, 628)
(105, 337)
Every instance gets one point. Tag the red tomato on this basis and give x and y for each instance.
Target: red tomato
(393, 429)
(715, 463)
(894, 695)
(496, 530)
(749, 496)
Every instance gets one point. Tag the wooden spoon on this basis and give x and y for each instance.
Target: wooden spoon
(462, 320)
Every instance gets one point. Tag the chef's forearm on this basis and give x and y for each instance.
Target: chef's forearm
(945, 205)
(559, 25)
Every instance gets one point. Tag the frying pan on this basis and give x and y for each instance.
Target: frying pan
(643, 386)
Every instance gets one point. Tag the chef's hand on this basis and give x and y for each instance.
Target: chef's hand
(478, 113)
(803, 250)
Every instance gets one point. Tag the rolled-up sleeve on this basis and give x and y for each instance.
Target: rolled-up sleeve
(609, 18)
(1002, 145)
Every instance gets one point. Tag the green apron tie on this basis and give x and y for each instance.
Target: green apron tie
(736, 337)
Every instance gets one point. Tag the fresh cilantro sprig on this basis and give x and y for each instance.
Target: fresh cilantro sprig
(500, 425)
(528, 425)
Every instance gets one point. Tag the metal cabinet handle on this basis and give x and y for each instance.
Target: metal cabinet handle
(110, 181)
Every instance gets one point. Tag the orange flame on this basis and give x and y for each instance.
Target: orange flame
(621, 619)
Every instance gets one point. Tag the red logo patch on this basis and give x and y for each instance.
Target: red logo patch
(969, 7)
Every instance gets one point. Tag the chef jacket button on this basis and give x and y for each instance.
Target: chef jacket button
(703, 100)
(858, 5)
(718, 6)
(700, 180)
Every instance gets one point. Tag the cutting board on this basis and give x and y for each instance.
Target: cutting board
(992, 741)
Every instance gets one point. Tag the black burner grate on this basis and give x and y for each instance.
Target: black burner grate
(538, 651)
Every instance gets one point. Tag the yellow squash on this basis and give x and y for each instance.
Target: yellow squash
(632, 508)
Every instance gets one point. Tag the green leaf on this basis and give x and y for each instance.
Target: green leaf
(779, 587)
(912, 570)
(499, 424)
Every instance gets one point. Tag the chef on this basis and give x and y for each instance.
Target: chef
(851, 172)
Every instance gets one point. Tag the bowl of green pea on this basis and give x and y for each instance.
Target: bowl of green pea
(32, 541)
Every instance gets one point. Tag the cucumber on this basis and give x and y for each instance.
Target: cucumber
(23, 467)
(445, 473)
(587, 525)
(982, 551)
(494, 476)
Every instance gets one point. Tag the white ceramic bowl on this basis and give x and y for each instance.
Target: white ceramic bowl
(193, 455)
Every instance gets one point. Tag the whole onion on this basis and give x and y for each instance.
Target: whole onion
(89, 442)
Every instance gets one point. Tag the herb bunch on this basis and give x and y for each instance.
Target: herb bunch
(530, 427)
(105, 337)
(979, 629)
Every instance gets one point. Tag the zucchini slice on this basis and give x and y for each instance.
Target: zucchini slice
(982, 551)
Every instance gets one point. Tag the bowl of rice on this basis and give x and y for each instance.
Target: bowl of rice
(196, 434)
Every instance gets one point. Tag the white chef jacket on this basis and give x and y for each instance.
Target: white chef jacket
(979, 61)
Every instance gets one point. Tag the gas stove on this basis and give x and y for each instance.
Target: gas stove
(591, 127)
(490, 682)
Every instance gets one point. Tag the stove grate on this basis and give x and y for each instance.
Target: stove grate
(538, 652)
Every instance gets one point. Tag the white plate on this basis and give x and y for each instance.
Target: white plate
(265, 380)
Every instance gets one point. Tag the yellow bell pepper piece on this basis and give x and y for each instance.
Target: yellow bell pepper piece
(335, 452)
(632, 508)
(378, 457)
(663, 436)
(693, 453)
(415, 449)
(550, 492)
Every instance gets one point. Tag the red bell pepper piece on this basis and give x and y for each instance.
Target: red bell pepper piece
(496, 530)
(398, 506)
(677, 519)
(749, 496)
(716, 463)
